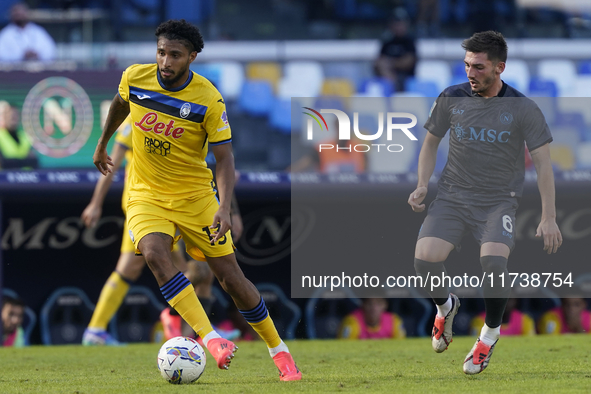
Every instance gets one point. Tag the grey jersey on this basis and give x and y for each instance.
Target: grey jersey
(486, 160)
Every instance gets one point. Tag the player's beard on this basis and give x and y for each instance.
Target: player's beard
(170, 81)
(485, 84)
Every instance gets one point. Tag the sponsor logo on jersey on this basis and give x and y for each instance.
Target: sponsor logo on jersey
(156, 146)
(150, 123)
(142, 96)
(185, 110)
(482, 134)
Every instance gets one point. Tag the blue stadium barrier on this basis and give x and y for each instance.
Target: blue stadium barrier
(65, 316)
(141, 12)
(191, 10)
(29, 319)
(256, 97)
(285, 313)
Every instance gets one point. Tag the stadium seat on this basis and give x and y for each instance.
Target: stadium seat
(353, 71)
(210, 71)
(585, 67)
(135, 319)
(376, 87)
(325, 310)
(29, 319)
(308, 74)
(425, 88)
(562, 72)
(285, 313)
(517, 75)
(289, 88)
(337, 87)
(583, 155)
(540, 87)
(579, 105)
(329, 102)
(582, 86)
(437, 71)
(281, 115)
(231, 79)
(256, 97)
(368, 105)
(267, 71)
(562, 156)
(64, 316)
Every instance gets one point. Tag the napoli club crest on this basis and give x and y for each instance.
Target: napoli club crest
(185, 110)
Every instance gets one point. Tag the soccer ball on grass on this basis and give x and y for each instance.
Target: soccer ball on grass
(181, 360)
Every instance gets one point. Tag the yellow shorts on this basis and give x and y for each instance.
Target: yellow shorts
(127, 245)
(192, 218)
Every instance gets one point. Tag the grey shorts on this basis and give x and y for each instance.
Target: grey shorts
(451, 221)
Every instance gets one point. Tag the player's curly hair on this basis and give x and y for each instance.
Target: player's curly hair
(183, 31)
(490, 42)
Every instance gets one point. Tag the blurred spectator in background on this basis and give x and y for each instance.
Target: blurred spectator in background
(514, 322)
(372, 321)
(15, 147)
(570, 317)
(398, 55)
(13, 310)
(428, 18)
(22, 40)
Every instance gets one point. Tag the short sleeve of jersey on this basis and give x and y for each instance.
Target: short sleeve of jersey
(124, 85)
(438, 122)
(216, 122)
(124, 136)
(535, 129)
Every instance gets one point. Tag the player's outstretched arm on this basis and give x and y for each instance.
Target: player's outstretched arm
(225, 182)
(117, 113)
(547, 227)
(93, 211)
(427, 159)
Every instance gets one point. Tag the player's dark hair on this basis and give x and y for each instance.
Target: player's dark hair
(12, 301)
(490, 42)
(183, 31)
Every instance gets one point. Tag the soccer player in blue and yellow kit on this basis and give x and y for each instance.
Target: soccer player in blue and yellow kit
(175, 114)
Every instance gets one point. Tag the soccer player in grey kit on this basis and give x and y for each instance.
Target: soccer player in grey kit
(481, 184)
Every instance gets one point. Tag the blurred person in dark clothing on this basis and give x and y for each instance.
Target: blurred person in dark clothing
(398, 56)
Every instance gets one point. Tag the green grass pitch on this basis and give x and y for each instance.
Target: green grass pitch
(531, 365)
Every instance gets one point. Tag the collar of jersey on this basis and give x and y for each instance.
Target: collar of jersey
(500, 94)
(174, 89)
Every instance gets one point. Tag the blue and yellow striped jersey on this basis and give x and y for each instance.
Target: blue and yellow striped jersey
(170, 132)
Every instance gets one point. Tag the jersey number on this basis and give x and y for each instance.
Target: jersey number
(221, 241)
(508, 223)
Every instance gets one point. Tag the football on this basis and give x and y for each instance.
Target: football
(181, 360)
